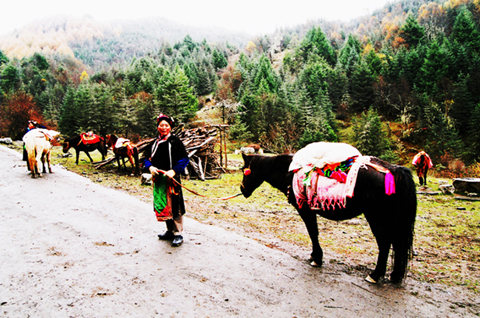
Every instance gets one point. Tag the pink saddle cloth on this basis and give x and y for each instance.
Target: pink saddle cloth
(323, 193)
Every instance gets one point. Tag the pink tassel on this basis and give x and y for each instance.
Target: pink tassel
(389, 183)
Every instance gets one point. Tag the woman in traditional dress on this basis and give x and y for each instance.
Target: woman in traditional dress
(166, 159)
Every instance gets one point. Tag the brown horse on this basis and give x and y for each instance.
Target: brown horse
(124, 148)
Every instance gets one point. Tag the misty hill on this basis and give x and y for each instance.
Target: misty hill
(99, 45)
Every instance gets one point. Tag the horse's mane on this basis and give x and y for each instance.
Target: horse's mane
(268, 164)
(394, 169)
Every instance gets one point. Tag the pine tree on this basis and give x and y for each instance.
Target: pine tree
(84, 104)
(412, 32)
(10, 79)
(465, 31)
(219, 60)
(463, 105)
(314, 45)
(69, 123)
(337, 85)
(349, 55)
(264, 71)
(106, 122)
(314, 77)
(175, 96)
(434, 68)
(361, 88)
(413, 65)
(3, 58)
(374, 62)
(370, 137)
(442, 137)
(474, 134)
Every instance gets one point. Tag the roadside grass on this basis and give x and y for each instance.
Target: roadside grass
(447, 230)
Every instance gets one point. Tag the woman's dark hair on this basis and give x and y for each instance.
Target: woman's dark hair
(168, 119)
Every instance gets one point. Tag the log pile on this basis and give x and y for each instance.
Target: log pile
(205, 162)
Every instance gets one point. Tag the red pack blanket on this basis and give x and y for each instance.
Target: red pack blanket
(89, 138)
(417, 157)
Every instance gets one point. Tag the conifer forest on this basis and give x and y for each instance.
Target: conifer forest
(414, 63)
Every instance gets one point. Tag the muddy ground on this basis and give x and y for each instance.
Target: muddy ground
(72, 248)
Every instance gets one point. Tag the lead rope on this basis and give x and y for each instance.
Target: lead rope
(204, 196)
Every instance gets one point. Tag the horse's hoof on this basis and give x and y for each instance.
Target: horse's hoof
(370, 280)
(315, 264)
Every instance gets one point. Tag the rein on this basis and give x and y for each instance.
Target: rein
(204, 196)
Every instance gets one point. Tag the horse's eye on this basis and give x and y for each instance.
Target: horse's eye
(247, 172)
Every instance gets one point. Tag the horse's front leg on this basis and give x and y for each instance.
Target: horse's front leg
(88, 155)
(309, 217)
(118, 161)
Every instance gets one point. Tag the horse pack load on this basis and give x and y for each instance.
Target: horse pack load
(89, 138)
(325, 174)
(383, 192)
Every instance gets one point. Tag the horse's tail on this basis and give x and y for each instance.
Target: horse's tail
(103, 146)
(136, 159)
(404, 227)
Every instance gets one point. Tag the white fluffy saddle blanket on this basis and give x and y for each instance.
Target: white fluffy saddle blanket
(121, 142)
(318, 154)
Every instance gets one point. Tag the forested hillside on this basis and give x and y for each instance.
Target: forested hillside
(415, 64)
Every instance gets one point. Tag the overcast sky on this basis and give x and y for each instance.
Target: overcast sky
(254, 16)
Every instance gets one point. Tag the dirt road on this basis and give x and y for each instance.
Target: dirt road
(72, 248)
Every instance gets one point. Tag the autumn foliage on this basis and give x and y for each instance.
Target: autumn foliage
(15, 112)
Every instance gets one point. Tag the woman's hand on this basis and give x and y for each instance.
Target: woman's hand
(153, 170)
(170, 173)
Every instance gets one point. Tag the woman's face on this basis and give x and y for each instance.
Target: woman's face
(164, 128)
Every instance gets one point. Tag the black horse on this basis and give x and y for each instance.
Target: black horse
(78, 144)
(391, 217)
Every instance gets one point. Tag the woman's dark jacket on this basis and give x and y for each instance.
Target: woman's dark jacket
(161, 160)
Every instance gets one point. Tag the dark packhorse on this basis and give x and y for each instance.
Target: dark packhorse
(422, 163)
(391, 217)
(127, 150)
(78, 144)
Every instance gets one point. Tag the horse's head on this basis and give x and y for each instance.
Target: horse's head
(66, 146)
(253, 175)
(110, 140)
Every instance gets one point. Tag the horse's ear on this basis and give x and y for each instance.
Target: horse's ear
(245, 158)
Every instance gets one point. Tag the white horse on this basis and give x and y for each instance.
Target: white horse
(37, 144)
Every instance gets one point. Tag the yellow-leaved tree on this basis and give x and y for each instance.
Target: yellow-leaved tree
(84, 76)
